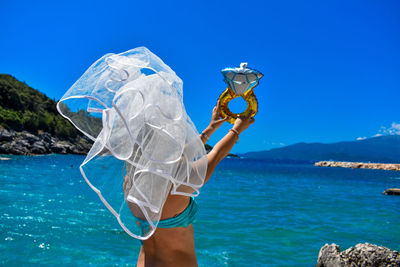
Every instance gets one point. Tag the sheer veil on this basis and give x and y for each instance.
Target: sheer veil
(145, 145)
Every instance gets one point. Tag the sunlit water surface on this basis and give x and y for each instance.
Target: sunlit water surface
(251, 213)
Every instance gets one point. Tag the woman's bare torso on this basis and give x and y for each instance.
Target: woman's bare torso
(170, 246)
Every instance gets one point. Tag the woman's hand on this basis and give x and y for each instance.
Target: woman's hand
(216, 118)
(215, 123)
(243, 123)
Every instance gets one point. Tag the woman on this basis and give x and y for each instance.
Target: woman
(174, 246)
(131, 106)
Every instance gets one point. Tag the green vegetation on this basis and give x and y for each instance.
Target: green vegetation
(24, 108)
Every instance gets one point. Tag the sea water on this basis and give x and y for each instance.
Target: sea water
(251, 213)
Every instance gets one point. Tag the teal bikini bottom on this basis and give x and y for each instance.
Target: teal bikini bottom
(184, 219)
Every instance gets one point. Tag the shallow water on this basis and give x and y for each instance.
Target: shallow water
(251, 213)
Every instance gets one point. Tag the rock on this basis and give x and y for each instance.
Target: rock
(3, 149)
(13, 148)
(75, 150)
(60, 147)
(392, 191)
(360, 255)
(20, 143)
(46, 137)
(39, 143)
(329, 255)
(6, 135)
(361, 165)
(39, 148)
(25, 143)
(29, 137)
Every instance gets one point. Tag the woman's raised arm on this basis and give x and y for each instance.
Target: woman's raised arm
(224, 146)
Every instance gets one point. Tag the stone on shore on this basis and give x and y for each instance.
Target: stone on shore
(360, 165)
(6, 135)
(360, 255)
(392, 191)
(39, 148)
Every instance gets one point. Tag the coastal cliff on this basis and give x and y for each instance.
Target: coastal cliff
(359, 165)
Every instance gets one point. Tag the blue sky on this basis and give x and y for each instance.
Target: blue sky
(332, 68)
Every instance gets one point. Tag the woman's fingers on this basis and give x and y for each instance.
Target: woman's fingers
(218, 107)
(224, 119)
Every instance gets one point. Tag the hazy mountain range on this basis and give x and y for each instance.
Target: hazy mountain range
(384, 149)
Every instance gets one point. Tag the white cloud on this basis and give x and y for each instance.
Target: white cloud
(361, 138)
(396, 127)
(273, 144)
(393, 130)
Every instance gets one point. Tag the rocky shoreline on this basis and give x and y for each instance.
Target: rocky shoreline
(25, 143)
(360, 255)
(360, 165)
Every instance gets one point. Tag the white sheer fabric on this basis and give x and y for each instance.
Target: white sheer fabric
(145, 145)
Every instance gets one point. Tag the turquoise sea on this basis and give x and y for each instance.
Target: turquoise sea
(251, 213)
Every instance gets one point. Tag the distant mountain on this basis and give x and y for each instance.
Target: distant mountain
(383, 149)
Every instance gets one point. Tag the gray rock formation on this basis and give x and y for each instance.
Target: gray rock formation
(24, 143)
(392, 191)
(363, 255)
(6, 135)
(360, 165)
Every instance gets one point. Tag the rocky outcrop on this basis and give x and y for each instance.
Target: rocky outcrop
(25, 143)
(392, 191)
(360, 255)
(361, 165)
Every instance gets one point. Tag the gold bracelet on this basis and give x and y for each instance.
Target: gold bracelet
(235, 131)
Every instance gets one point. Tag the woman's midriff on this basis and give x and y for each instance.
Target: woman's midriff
(170, 246)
